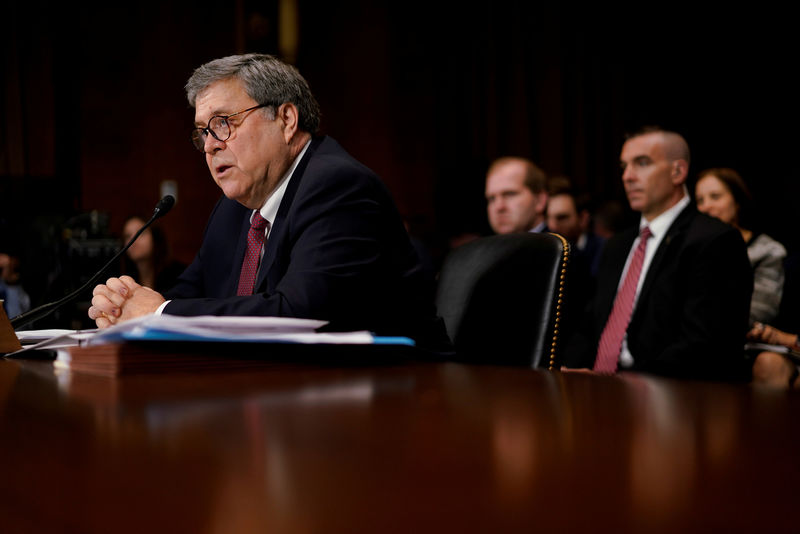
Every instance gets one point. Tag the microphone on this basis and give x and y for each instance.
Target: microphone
(23, 319)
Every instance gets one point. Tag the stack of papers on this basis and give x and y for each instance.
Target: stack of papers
(203, 328)
(161, 342)
(234, 330)
(213, 328)
(37, 340)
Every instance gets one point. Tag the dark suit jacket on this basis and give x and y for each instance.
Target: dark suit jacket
(691, 315)
(337, 251)
(593, 251)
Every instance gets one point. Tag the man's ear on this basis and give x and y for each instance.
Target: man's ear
(680, 171)
(290, 119)
(541, 202)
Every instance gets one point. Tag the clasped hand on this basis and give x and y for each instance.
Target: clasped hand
(769, 334)
(121, 299)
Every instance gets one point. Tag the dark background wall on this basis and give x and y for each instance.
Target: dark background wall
(94, 117)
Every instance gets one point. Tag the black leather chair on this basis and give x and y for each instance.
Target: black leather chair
(501, 299)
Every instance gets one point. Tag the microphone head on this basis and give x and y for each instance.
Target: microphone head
(163, 206)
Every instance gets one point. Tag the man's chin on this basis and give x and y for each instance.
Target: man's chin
(635, 204)
(245, 201)
(235, 199)
(506, 230)
(232, 194)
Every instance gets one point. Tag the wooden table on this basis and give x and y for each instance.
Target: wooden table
(401, 447)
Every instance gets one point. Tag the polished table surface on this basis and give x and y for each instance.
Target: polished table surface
(399, 447)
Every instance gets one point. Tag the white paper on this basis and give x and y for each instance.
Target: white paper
(51, 339)
(41, 335)
(222, 328)
(781, 349)
(207, 328)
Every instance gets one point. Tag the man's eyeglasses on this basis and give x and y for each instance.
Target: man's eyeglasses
(219, 127)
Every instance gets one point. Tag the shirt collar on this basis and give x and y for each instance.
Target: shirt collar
(270, 208)
(539, 227)
(661, 224)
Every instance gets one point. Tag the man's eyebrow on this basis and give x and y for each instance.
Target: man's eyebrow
(642, 158)
(214, 113)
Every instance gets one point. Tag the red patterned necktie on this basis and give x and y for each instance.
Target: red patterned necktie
(255, 240)
(611, 340)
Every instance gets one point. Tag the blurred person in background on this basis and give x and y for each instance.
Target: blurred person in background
(568, 214)
(516, 196)
(148, 259)
(722, 193)
(15, 299)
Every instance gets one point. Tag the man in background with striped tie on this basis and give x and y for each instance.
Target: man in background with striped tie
(672, 293)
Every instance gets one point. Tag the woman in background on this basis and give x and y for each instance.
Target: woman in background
(148, 260)
(722, 193)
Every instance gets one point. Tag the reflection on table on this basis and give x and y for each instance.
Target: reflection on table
(398, 447)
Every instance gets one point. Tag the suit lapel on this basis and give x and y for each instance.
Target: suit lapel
(278, 232)
(677, 228)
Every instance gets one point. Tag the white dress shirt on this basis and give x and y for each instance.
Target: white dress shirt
(659, 227)
(270, 208)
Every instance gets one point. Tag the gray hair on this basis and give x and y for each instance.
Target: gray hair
(266, 79)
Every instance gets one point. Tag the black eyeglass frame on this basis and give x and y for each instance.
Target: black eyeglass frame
(199, 135)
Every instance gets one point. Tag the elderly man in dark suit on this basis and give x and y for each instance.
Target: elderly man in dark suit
(303, 229)
(673, 293)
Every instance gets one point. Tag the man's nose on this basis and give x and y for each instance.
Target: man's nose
(213, 144)
(628, 174)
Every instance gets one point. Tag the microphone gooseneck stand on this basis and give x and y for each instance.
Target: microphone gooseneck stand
(162, 208)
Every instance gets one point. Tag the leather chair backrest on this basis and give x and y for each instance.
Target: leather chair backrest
(500, 298)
